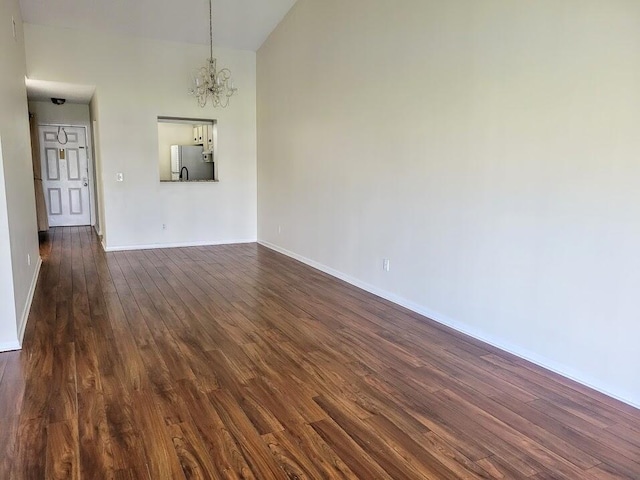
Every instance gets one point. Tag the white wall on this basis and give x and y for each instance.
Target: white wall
(488, 149)
(68, 114)
(18, 230)
(97, 162)
(76, 114)
(136, 81)
(8, 328)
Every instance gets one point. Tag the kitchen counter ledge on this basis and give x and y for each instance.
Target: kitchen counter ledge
(189, 181)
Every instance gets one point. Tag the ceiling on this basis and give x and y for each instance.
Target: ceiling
(42, 90)
(241, 24)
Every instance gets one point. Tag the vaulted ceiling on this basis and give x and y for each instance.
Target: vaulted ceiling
(241, 24)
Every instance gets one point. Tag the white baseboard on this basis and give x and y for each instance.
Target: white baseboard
(560, 369)
(27, 306)
(174, 245)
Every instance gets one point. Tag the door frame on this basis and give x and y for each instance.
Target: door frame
(91, 173)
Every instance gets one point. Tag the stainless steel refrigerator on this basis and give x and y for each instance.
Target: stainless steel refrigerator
(198, 166)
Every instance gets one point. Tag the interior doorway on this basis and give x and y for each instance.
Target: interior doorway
(66, 176)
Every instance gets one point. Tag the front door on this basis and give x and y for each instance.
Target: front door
(65, 175)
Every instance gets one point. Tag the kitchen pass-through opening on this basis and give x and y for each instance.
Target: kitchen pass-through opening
(187, 150)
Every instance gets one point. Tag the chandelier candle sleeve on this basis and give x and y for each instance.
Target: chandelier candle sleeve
(209, 83)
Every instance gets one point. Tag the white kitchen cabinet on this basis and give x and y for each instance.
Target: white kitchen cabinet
(204, 135)
(208, 135)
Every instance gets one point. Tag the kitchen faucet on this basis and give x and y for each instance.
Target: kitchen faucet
(184, 168)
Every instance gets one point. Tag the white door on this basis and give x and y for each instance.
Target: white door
(65, 175)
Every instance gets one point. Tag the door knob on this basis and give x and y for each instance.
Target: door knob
(85, 182)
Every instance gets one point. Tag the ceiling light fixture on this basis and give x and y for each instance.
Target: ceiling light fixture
(209, 83)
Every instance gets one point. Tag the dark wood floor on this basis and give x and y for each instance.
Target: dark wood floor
(237, 362)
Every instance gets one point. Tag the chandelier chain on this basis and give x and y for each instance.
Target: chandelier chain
(210, 29)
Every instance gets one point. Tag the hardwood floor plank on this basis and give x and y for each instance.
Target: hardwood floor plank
(8, 440)
(578, 423)
(235, 362)
(62, 451)
(626, 433)
(263, 420)
(225, 453)
(553, 387)
(587, 443)
(31, 449)
(544, 438)
(429, 412)
(36, 401)
(193, 455)
(254, 451)
(64, 395)
(450, 456)
(350, 452)
(125, 439)
(606, 472)
(161, 454)
(427, 461)
(396, 462)
(294, 463)
(517, 444)
(305, 443)
(12, 386)
(297, 409)
(96, 457)
(497, 467)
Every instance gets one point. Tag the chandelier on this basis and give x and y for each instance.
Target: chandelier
(209, 83)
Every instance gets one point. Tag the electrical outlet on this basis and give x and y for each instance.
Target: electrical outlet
(164, 226)
(28, 259)
(385, 264)
(119, 177)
